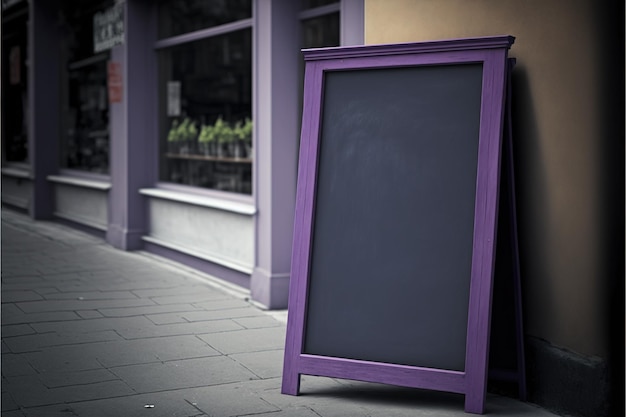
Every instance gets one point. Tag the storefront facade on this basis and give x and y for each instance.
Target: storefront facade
(168, 126)
(173, 127)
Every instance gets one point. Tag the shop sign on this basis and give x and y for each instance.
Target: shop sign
(108, 28)
(114, 70)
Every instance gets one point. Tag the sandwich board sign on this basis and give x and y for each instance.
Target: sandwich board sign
(396, 215)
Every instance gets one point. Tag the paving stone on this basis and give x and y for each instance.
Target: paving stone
(146, 310)
(15, 296)
(36, 342)
(7, 403)
(63, 379)
(89, 314)
(40, 317)
(38, 394)
(63, 359)
(167, 318)
(222, 304)
(93, 295)
(249, 340)
(199, 328)
(167, 403)
(175, 290)
(190, 298)
(28, 391)
(228, 400)
(16, 330)
(94, 325)
(139, 351)
(16, 365)
(291, 412)
(232, 313)
(16, 413)
(266, 364)
(182, 374)
(258, 322)
(71, 305)
(24, 285)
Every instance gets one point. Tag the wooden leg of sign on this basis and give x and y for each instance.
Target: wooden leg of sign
(291, 383)
(508, 153)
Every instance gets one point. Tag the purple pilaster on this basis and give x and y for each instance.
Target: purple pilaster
(275, 113)
(133, 152)
(43, 98)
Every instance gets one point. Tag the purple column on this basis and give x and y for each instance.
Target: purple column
(134, 142)
(43, 97)
(276, 39)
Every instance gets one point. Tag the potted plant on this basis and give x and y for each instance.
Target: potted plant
(173, 138)
(207, 140)
(224, 135)
(187, 133)
(243, 136)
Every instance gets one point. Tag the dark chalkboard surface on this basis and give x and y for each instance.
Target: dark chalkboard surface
(393, 226)
(394, 229)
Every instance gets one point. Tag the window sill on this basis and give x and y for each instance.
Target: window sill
(16, 173)
(80, 182)
(232, 206)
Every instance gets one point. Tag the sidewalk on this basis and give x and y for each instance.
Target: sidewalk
(88, 330)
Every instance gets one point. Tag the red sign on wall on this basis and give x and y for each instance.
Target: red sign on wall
(115, 84)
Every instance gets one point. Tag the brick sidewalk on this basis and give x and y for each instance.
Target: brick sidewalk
(88, 330)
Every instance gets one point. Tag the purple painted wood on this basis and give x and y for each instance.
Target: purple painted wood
(302, 228)
(492, 53)
(487, 187)
(403, 375)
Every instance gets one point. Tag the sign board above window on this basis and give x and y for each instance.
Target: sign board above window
(108, 28)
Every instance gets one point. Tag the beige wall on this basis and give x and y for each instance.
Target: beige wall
(557, 127)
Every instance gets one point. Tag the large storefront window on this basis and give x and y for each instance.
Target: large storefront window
(205, 105)
(84, 103)
(14, 84)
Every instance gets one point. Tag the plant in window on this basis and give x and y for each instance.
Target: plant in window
(207, 140)
(243, 135)
(224, 135)
(172, 137)
(187, 133)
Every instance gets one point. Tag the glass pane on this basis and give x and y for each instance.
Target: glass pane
(76, 22)
(205, 108)
(84, 100)
(312, 4)
(321, 31)
(182, 16)
(86, 120)
(15, 90)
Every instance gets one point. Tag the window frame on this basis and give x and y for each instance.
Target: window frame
(197, 35)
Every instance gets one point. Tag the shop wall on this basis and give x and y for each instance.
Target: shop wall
(568, 135)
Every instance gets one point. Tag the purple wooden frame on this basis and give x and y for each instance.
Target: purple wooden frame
(491, 52)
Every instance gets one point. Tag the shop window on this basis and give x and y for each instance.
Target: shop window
(177, 17)
(14, 85)
(205, 104)
(84, 102)
(321, 31)
(319, 28)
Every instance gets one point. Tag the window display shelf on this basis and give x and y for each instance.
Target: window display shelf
(197, 157)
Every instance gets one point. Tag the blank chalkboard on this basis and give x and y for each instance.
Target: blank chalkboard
(393, 225)
(394, 228)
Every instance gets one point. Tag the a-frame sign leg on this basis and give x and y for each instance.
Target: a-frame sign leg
(503, 291)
